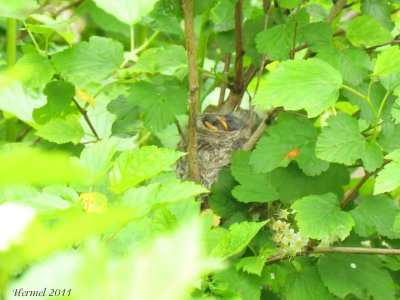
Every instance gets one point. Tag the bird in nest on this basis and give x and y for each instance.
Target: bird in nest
(222, 122)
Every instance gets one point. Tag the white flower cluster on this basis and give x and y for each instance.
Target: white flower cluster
(287, 239)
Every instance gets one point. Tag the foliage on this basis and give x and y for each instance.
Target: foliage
(90, 95)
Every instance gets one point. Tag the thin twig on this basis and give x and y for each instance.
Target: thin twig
(23, 134)
(224, 83)
(238, 86)
(179, 128)
(392, 42)
(347, 250)
(258, 133)
(85, 116)
(296, 25)
(353, 193)
(194, 172)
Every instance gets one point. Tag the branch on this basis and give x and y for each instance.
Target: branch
(182, 134)
(69, 6)
(353, 250)
(353, 193)
(23, 134)
(335, 10)
(238, 86)
(251, 143)
(292, 51)
(223, 84)
(187, 6)
(11, 42)
(85, 116)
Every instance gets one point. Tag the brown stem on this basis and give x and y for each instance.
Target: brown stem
(179, 128)
(69, 6)
(187, 6)
(296, 25)
(335, 10)
(235, 96)
(393, 42)
(223, 84)
(85, 116)
(353, 250)
(23, 134)
(353, 193)
(251, 143)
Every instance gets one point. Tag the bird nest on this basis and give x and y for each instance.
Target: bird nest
(217, 137)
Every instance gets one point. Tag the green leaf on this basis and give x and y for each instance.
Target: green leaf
(388, 61)
(96, 159)
(316, 33)
(20, 102)
(22, 165)
(308, 162)
(341, 141)
(167, 60)
(173, 191)
(234, 285)
(361, 275)
(310, 84)
(364, 30)
(306, 284)
(379, 10)
(396, 225)
(291, 183)
(179, 255)
(320, 216)
(40, 238)
(62, 131)
(289, 3)
(251, 264)
(59, 97)
(41, 274)
(373, 156)
(127, 121)
(89, 61)
(17, 9)
(375, 214)
(129, 12)
(162, 99)
(352, 63)
(143, 198)
(223, 14)
(253, 187)
(40, 202)
(104, 20)
(389, 138)
(133, 167)
(166, 17)
(221, 200)
(388, 179)
(295, 133)
(276, 42)
(238, 237)
(43, 70)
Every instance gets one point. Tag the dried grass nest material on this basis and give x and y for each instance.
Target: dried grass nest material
(215, 146)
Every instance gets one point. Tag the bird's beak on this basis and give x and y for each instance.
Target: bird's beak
(222, 121)
(210, 126)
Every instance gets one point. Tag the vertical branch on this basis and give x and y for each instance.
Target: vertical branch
(202, 48)
(11, 42)
(224, 84)
(187, 6)
(296, 25)
(238, 86)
